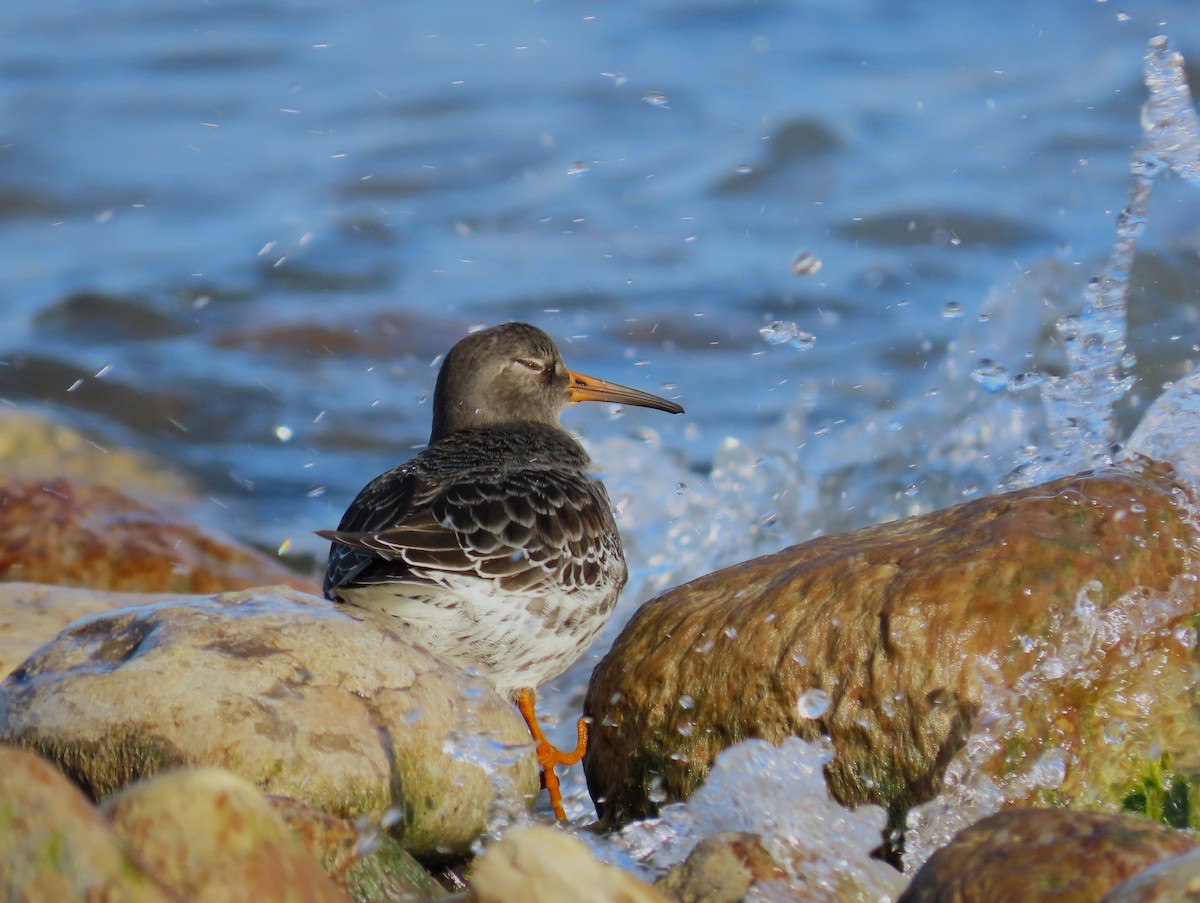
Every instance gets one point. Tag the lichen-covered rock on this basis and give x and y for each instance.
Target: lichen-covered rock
(211, 836)
(96, 536)
(298, 695)
(55, 846)
(1070, 602)
(542, 865)
(33, 613)
(361, 857)
(1043, 856)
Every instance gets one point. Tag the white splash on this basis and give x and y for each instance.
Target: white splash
(778, 793)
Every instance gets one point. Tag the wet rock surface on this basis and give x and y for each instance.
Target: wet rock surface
(1036, 855)
(291, 692)
(211, 836)
(33, 613)
(361, 858)
(888, 641)
(71, 533)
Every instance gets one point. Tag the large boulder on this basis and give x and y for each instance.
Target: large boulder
(1043, 856)
(1066, 611)
(300, 696)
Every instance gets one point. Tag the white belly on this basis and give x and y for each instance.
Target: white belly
(514, 640)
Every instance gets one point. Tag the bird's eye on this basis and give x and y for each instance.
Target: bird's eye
(535, 366)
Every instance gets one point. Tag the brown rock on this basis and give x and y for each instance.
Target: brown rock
(1174, 880)
(721, 869)
(287, 690)
(361, 858)
(544, 865)
(91, 535)
(33, 613)
(1036, 855)
(888, 640)
(211, 836)
(55, 846)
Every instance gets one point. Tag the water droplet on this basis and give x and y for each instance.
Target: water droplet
(952, 310)
(681, 488)
(805, 263)
(686, 729)
(1115, 730)
(283, 433)
(103, 370)
(656, 99)
(316, 492)
(655, 791)
(991, 375)
(1026, 380)
(780, 332)
(686, 701)
(730, 632)
(577, 168)
(744, 169)
(813, 703)
(283, 547)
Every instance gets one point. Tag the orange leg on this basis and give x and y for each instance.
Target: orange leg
(547, 755)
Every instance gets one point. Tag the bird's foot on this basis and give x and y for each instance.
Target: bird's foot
(548, 755)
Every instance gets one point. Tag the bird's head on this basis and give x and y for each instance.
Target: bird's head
(513, 373)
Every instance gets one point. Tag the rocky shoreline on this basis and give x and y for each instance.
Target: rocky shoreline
(177, 724)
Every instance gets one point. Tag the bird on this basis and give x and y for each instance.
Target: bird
(494, 547)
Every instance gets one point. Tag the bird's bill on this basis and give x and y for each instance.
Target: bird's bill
(588, 388)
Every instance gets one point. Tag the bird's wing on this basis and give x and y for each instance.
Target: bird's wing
(526, 530)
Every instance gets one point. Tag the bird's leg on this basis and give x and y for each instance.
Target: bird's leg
(547, 755)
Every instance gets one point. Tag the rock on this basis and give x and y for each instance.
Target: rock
(33, 447)
(363, 860)
(55, 846)
(721, 869)
(97, 537)
(1036, 855)
(889, 641)
(544, 865)
(1174, 880)
(211, 836)
(91, 535)
(291, 692)
(33, 613)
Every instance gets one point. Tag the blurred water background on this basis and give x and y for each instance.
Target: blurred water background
(238, 234)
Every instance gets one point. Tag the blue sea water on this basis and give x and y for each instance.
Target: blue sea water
(239, 233)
